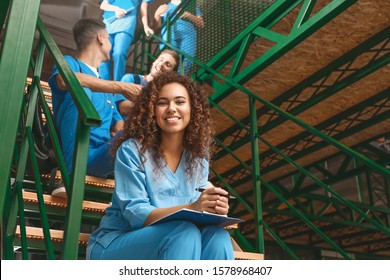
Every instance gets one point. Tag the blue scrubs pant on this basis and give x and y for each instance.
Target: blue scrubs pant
(176, 240)
(121, 42)
(100, 161)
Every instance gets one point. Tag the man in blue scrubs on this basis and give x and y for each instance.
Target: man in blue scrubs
(120, 17)
(93, 46)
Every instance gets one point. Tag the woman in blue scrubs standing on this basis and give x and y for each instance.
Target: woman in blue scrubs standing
(183, 31)
(162, 157)
(120, 17)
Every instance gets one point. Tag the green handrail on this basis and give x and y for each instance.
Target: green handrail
(14, 52)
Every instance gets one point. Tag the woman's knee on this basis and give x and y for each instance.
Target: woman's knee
(216, 233)
(186, 231)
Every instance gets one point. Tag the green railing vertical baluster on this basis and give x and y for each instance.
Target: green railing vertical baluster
(41, 203)
(7, 234)
(281, 243)
(256, 176)
(16, 51)
(76, 195)
(54, 137)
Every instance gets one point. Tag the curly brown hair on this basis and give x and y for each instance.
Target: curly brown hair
(141, 124)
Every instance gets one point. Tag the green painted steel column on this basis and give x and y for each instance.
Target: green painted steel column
(76, 195)
(256, 177)
(15, 59)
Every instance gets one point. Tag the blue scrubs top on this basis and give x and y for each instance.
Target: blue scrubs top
(127, 23)
(139, 190)
(66, 114)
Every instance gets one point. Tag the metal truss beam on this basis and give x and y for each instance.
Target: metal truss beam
(319, 85)
(16, 50)
(261, 27)
(357, 118)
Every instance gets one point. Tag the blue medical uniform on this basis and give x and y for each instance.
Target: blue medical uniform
(121, 32)
(183, 35)
(138, 191)
(100, 163)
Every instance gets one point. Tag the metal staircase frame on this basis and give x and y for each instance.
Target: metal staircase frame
(22, 22)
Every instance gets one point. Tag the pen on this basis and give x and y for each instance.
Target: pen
(227, 196)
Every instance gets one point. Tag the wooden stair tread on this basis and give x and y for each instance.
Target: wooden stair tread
(57, 236)
(90, 206)
(90, 180)
(239, 255)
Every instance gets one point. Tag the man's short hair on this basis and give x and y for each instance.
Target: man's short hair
(175, 55)
(85, 30)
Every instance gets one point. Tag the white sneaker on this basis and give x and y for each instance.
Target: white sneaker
(59, 192)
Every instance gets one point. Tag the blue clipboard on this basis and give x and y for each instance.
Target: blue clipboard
(199, 218)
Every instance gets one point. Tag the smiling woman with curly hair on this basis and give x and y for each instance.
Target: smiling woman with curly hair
(143, 124)
(161, 158)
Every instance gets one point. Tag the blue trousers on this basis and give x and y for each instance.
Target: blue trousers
(176, 240)
(100, 161)
(121, 42)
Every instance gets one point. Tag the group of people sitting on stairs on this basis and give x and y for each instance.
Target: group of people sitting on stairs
(155, 136)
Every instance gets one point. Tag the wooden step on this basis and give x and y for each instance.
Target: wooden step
(57, 236)
(239, 254)
(89, 180)
(36, 234)
(99, 189)
(57, 205)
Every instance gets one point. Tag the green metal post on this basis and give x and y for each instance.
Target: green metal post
(359, 185)
(42, 207)
(15, 58)
(256, 177)
(76, 195)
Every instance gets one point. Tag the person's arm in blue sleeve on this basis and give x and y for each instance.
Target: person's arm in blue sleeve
(203, 178)
(129, 90)
(130, 189)
(130, 185)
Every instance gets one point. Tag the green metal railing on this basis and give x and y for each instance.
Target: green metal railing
(22, 24)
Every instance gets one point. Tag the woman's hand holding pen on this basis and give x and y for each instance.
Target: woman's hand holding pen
(213, 200)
